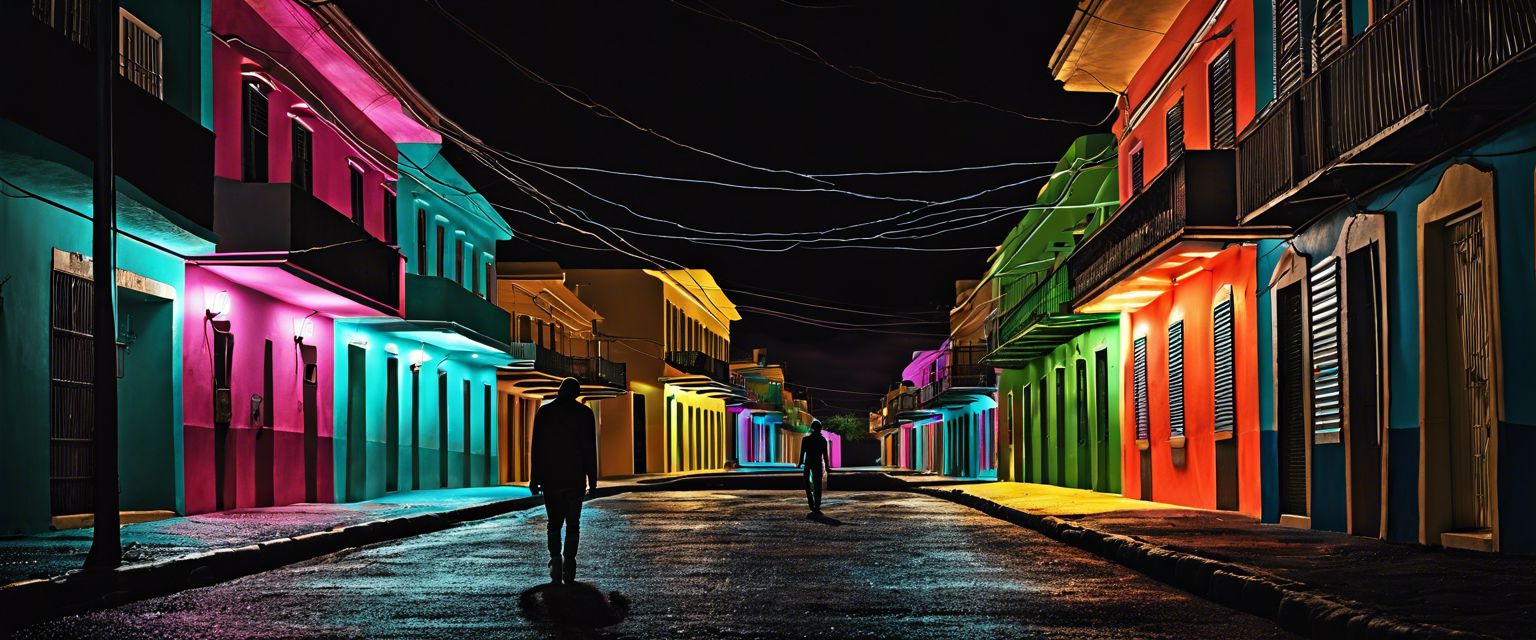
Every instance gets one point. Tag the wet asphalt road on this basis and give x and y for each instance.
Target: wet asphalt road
(744, 564)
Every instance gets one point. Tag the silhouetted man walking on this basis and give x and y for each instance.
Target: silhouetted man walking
(564, 460)
(813, 458)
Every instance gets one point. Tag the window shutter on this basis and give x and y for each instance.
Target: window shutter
(1226, 367)
(1331, 32)
(391, 223)
(1290, 59)
(1223, 93)
(1291, 379)
(1175, 122)
(253, 143)
(1324, 312)
(1082, 403)
(1101, 392)
(1137, 164)
(357, 195)
(1143, 421)
(303, 158)
(1176, 380)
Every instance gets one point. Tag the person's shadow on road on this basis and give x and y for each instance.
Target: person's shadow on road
(825, 519)
(575, 609)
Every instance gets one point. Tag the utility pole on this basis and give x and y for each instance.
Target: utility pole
(106, 543)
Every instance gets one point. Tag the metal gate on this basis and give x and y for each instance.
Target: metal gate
(1471, 306)
(71, 365)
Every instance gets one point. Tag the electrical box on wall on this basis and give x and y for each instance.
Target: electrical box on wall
(222, 406)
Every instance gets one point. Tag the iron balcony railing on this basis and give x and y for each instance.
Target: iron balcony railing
(588, 369)
(956, 377)
(699, 364)
(1194, 191)
(597, 370)
(1419, 57)
(1049, 297)
(895, 403)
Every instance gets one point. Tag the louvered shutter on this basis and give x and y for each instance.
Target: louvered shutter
(1291, 379)
(303, 158)
(1330, 33)
(1082, 403)
(1226, 367)
(1175, 122)
(1143, 420)
(253, 143)
(1101, 392)
(1176, 380)
(1290, 59)
(1137, 179)
(1223, 92)
(1326, 362)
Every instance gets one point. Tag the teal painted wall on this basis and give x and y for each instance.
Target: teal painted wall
(1269, 456)
(1263, 53)
(375, 449)
(150, 423)
(1041, 450)
(185, 51)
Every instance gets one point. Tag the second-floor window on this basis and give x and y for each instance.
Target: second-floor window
(441, 233)
(357, 193)
(303, 157)
(253, 131)
(458, 261)
(391, 231)
(1138, 163)
(1175, 124)
(421, 242)
(1290, 59)
(1223, 92)
(139, 55)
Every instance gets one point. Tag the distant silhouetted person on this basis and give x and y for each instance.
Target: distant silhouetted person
(564, 460)
(813, 458)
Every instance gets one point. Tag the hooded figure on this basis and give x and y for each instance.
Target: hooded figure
(564, 462)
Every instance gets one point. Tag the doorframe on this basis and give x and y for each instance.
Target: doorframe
(1293, 269)
(1462, 188)
(1360, 231)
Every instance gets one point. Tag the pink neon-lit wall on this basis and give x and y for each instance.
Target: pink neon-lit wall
(253, 319)
(300, 80)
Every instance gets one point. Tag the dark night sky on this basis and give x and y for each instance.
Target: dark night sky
(713, 85)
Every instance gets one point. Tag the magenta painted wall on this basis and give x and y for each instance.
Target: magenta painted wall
(254, 318)
(332, 175)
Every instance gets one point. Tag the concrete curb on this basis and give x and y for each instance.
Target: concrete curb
(1289, 604)
(32, 601)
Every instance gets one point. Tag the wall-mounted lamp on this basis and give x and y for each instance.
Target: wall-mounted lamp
(219, 306)
(304, 328)
(391, 349)
(358, 340)
(418, 357)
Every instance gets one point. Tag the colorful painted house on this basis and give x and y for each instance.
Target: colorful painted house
(164, 213)
(1059, 387)
(950, 427)
(674, 340)
(1394, 376)
(1175, 260)
(555, 336)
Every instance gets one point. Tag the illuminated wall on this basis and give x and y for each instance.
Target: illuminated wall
(1070, 447)
(1188, 475)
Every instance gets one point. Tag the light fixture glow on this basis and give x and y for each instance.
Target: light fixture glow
(219, 304)
(1189, 273)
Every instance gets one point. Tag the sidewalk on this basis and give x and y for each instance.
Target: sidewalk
(1490, 594)
(47, 555)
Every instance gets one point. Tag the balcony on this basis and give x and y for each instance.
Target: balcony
(441, 303)
(537, 370)
(328, 261)
(1037, 323)
(698, 364)
(50, 89)
(1424, 81)
(1189, 205)
(899, 407)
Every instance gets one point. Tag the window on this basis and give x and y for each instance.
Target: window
(1101, 392)
(139, 55)
(303, 176)
(524, 329)
(1143, 420)
(1323, 313)
(438, 263)
(1223, 94)
(357, 193)
(1175, 124)
(1226, 365)
(1137, 163)
(1331, 30)
(490, 279)
(458, 261)
(1290, 58)
(1176, 380)
(421, 242)
(253, 132)
(391, 232)
(70, 17)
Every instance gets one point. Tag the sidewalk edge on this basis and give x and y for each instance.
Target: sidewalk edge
(1227, 584)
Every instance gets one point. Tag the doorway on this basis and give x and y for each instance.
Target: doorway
(1363, 375)
(1084, 478)
(357, 423)
(1468, 341)
(1291, 400)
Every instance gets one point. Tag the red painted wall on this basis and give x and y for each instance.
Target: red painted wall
(254, 318)
(332, 175)
(1193, 483)
(1191, 82)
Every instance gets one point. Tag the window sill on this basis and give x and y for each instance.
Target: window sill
(1225, 435)
(1176, 443)
(1143, 445)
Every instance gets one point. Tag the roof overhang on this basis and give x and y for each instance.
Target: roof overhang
(1107, 42)
(276, 276)
(447, 336)
(707, 387)
(537, 384)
